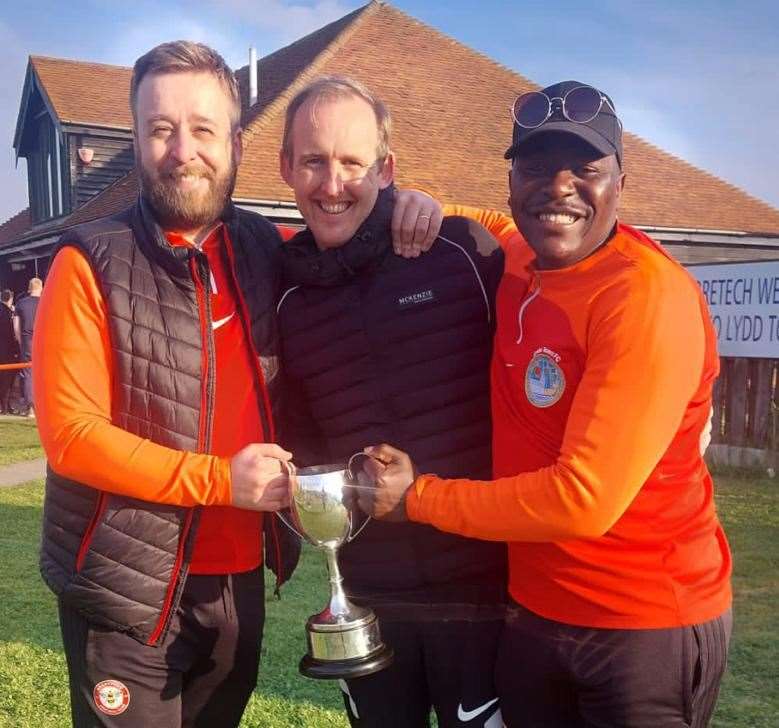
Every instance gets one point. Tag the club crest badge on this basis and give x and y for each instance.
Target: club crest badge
(544, 379)
(111, 697)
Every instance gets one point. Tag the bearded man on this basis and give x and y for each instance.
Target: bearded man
(156, 410)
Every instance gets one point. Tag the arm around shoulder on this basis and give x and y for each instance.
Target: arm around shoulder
(481, 247)
(643, 367)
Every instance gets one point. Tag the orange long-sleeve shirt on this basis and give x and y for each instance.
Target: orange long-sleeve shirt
(601, 387)
(72, 382)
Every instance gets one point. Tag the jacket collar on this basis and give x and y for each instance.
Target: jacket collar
(304, 264)
(151, 237)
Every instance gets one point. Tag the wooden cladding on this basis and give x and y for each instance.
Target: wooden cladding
(59, 180)
(745, 406)
(112, 159)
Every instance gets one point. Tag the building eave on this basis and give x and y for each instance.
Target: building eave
(23, 104)
(700, 236)
(277, 209)
(32, 82)
(29, 251)
(82, 127)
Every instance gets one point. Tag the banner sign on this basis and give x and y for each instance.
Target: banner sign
(744, 302)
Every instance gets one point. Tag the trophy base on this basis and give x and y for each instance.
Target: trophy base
(346, 669)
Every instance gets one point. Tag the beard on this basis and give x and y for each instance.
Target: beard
(177, 209)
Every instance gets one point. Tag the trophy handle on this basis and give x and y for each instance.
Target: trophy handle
(292, 528)
(352, 476)
(289, 466)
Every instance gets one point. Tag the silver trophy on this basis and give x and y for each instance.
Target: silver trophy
(343, 639)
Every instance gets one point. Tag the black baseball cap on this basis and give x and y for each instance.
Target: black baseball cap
(603, 131)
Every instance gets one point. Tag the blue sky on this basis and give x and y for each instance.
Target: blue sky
(698, 79)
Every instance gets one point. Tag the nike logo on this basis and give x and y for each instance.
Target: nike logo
(466, 715)
(222, 321)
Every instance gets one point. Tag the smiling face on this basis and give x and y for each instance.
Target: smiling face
(332, 166)
(564, 196)
(187, 148)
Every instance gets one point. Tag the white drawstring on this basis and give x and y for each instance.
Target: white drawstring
(522, 308)
(476, 273)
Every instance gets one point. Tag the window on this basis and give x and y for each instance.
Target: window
(47, 168)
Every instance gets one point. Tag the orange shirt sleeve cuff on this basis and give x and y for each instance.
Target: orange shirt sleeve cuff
(224, 481)
(414, 498)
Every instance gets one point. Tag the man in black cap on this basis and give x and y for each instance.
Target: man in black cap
(602, 374)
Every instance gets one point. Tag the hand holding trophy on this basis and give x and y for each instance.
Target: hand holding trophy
(343, 639)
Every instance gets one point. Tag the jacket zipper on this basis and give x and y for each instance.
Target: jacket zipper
(200, 276)
(90, 530)
(162, 622)
(269, 436)
(203, 287)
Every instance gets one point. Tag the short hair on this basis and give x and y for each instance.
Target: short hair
(35, 284)
(185, 56)
(339, 87)
(7, 295)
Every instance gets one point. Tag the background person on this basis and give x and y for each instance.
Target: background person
(9, 350)
(378, 347)
(25, 313)
(602, 373)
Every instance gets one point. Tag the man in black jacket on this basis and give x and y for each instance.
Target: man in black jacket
(24, 315)
(379, 348)
(9, 349)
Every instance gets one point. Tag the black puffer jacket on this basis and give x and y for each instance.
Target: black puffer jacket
(120, 561)
(9, 347)
(382, 349)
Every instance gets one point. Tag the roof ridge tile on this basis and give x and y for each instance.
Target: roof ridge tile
(80, 62)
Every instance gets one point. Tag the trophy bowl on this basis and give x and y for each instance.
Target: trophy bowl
(344, 640)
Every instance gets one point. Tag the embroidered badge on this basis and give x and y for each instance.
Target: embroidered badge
(544, 379)
(111, 697)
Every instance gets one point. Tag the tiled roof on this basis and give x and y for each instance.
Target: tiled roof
(15, 227)
(86, 93)
(451, 123)
(112, 199)
(279, 70)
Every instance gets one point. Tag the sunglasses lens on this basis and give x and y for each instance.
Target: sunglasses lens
(531, 110)
(582, 104)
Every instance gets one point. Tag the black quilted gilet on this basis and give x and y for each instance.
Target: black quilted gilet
(127, 577)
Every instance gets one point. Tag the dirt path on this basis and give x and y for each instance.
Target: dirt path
(22, 472)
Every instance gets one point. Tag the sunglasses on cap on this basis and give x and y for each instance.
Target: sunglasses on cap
(579, 105)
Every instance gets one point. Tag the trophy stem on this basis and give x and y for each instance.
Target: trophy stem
(340, 606)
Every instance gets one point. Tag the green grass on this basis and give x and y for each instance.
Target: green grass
(18, 440)
(33, 692)
(33, 679)
(749, 509)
